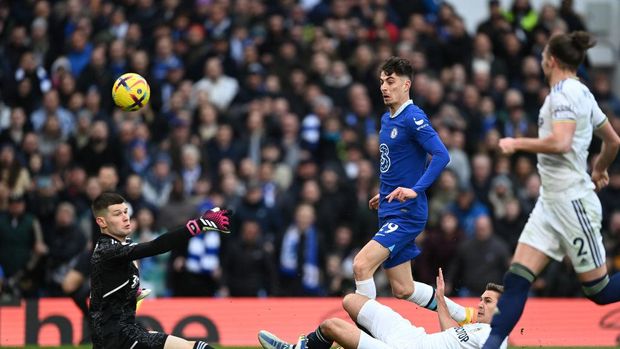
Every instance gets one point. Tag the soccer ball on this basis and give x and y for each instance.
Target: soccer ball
(131, 92)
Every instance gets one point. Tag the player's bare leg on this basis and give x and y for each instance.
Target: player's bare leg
(593, 274)
(368, 260)
(173, 342)
(401, 280)
(404, 287)
(347, 335)
(342, 332)
(365, 263)
(530, 257)
(353, 304)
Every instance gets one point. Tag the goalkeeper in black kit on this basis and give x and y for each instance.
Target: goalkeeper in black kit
(115, 278)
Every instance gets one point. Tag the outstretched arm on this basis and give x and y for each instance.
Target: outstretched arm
(445, 320)
(563, 125)
(214, 219)
(558, 142)
(162, 244)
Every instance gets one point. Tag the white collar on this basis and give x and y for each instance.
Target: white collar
(402, 107)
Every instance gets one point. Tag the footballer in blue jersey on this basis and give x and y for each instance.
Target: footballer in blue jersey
(406, 140)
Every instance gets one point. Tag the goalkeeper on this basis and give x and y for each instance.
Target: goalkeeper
(115, 278)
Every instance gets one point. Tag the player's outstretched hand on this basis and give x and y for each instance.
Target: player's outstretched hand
(441, 285)
(401, 194)
(507, 145)
(600, 179)
(373, 203)
(215, 219)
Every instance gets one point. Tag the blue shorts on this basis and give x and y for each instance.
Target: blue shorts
(398, 235)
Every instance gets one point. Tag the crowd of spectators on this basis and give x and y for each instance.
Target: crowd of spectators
(271, 108)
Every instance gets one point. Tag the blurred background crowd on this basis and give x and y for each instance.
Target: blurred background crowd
(271, 108)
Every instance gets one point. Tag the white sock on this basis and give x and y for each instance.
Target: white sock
(366, 288)
(424, 296)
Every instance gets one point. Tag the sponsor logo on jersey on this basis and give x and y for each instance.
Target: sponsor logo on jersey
(561, 108)
(461, 333)
(418, 122)
(385, 158)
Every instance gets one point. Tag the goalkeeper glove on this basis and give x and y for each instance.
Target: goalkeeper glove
(215, 219)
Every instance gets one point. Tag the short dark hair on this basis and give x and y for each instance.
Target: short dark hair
(398, 66)
(104, 200)
(495, 287)
(570, 49)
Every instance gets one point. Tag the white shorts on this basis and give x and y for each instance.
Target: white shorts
(568, 228)
(389, 327)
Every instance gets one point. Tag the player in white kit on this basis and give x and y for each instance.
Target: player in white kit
(566, 220)
(390, 330)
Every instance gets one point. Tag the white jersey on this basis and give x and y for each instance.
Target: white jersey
(564, 176)
(470, 336)
(392, 331)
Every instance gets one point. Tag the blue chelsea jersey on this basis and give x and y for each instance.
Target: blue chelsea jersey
(403, 160)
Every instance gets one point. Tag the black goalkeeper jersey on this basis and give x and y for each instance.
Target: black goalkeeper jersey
(115, 281)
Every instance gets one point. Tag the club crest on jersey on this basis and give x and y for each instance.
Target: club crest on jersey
(394, 133)
(541, 121)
